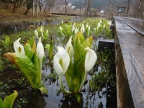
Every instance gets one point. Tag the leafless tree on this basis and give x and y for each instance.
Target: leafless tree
(141, 8)
(136, 8)
(89, 7)
(80, 6)
(41, 4)
(29, 5)
(18, 4)
(66, 3)
(50, 4)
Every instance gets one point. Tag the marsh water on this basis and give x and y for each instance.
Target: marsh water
(13, 79)
(29, 98)
(12, 27)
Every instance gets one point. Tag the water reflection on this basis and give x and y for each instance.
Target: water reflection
(11, 27)
(88, 99)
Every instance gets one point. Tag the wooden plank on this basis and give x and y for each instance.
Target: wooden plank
(129, 52)
(135, 24)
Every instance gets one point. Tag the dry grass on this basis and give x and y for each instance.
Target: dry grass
(6, 15)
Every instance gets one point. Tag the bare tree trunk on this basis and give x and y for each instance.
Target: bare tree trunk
(80, 6)
(40, 5)
(17, 4)
(86, 7)
(89, 7)
(111, 10)
(128, 5)
(14, 6)
(66, 7)
(29, 6)
(37, 8)
(33, 8)
(140, 11)
(45, 9)
(49, 11)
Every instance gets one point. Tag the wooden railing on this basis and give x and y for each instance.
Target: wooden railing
(129, 52)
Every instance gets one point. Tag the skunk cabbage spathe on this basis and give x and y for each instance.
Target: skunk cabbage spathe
(30, 62)
(18, 47)
(61, 63)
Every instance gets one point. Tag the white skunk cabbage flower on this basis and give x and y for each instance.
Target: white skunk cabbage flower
(109, 23)
(40, 49)
(104, 26)
(90, 59)
(99, 24)
(40, 54)
(89, 27)
(61, 61)
(76, 30)
(36, 33)
(18, 47)
(73, 27)
(42, 30)
(82, 29)
(60, 28)
(47, 32)
(100, 21)
(69, 48)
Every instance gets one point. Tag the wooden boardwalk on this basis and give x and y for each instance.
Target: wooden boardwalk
(129, 52)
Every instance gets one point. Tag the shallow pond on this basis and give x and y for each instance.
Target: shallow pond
(29, 98)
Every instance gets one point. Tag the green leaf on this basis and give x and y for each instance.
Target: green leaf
(28, 51)
(7, 41)
(79, 37)
(31, 41)
(43, 90)
(46, 34)
(9, 100)
(27, 67)
(1, 103)
(79, 58)
(47, 46)
(24, 64)
(78, 97)
(69, 76)
(51, 49)
(67, 31)
(36, 62)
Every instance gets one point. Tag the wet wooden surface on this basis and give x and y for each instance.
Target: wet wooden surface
(134, 23)
(129, 51)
